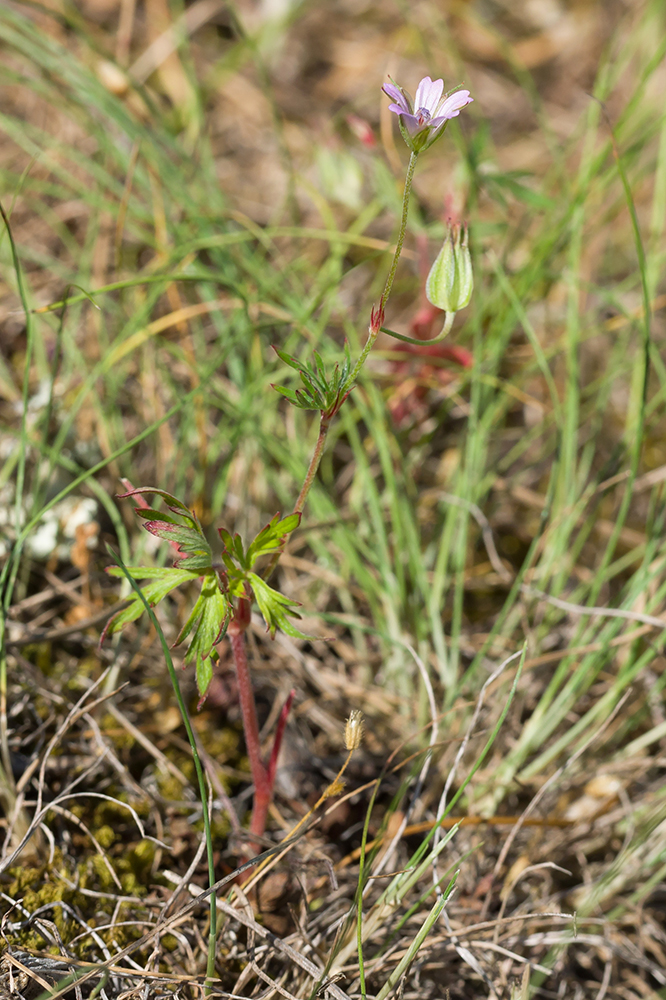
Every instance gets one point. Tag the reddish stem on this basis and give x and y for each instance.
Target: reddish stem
(279, 733)
(262, 776)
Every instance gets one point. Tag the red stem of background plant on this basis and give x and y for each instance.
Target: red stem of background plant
(279, 733)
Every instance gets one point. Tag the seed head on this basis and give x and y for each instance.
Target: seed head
(354, 729)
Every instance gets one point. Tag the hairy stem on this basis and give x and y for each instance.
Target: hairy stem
(305, 489)
(403, 227)
(376, 323)
(279, 733)
(313, 466)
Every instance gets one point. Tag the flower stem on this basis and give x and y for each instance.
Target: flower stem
(313, 466)
(403, 227)
(262, 776)
(305, 489)
(444, 332)
(376, 325)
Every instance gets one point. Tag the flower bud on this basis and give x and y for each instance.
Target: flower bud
(451, 281)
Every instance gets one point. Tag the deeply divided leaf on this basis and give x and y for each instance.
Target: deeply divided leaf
(209, 619)
(271, 538)
(275, 608)
(154, 592)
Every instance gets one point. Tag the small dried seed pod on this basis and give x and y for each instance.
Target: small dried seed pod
(354, 729)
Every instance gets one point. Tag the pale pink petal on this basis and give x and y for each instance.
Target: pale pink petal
(436, 123)
(397, 95)
(452, 105)
(428, 94)
(412, 123)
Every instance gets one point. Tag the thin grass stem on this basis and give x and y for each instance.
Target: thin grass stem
(203, 790)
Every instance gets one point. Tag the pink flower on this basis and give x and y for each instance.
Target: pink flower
(424, 121)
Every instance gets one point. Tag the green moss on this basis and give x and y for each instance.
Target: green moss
(121, 739)
(131, 885)
(144, 852)
(219, 827)
(24, 878)
(222, 744)
(37, 887)
(101, 870)
(170, 788)
(105, 836)
(188, 769)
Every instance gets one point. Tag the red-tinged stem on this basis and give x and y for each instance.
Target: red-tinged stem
(279, 733)
(262, 776)
(262, 787)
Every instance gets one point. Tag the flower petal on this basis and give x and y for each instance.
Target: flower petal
(428, 94)
(411, 122)
(452, 105)
(397, 95)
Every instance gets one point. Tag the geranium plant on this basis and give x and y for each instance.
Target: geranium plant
(231, 580)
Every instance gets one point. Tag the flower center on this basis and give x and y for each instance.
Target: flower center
(423, 116)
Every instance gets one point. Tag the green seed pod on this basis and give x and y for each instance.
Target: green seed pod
(451, 281)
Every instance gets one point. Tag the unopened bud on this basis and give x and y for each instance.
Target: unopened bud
(451, 281)
(354, 729)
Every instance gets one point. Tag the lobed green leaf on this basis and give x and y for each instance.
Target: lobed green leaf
(275, 607)
(271, 538)
(209, 619)
(154, 592)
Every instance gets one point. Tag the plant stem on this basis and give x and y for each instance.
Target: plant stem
(279, 733)
(444, 332)
(262, 776)
(12, 562)
(313, 466)
(361, 885)
(305, 489)
(262, 785)
(376, 324)
(403, 227)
